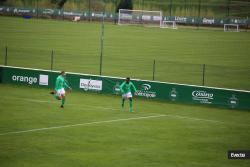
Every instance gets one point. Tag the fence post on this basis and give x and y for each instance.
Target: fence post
(142, 5)
(89, 10)
(102, 38)
(203, 74)
(228, 7)
(199, 14)
(63, 13)
(6, 56)
(170, 7)
(115, 16)
(154, 70)
(36, 8)
(247, 23)
(185, 7)
(52, 60)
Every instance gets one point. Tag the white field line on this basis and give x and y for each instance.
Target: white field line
(117, 120)
(117, 109)
(192, 118)
(107, 108)
(82, 124)
(54, 102)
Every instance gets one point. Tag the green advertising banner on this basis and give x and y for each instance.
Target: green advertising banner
(45, 12)
(181, 93)
(205, 20)
(1, 69)
(26, 77)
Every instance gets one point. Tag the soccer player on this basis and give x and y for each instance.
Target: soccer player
(60, 86)
(126, 93)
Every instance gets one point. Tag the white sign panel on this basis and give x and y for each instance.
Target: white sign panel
(202, 96)
(88, 84)
(43, 79)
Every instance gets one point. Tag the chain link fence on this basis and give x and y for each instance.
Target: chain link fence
(166, 71)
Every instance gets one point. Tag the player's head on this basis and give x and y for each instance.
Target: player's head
(62, 73)
(127, 79)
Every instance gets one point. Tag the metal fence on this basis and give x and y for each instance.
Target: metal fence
(166, 71)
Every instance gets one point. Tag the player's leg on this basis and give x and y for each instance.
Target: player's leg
(60, 95)
(131, 104)
(56, 95)
(123, 99)
(63, 101)
(130, 97)
(62, 92)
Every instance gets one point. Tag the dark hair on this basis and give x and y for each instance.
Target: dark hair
(128, 78)
(62, 72)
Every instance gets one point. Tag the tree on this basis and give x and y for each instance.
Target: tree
(125, 4)
(59, 3)
(2, 1)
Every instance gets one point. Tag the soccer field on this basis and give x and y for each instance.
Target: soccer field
(129, 51)
(93, 130)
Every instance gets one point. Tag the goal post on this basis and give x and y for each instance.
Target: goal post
(231, 27)
(140, 17)
(169, 24)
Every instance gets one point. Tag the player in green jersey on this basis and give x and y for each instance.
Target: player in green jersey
(127, 92)
(60, 87)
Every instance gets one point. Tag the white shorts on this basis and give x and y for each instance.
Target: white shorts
(127, 95)
(60, 92)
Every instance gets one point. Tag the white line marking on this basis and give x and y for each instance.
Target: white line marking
(193, 118)
(54, 102)
(107, 108)
(82, 124)
(117, 109)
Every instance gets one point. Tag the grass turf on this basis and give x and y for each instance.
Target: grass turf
(188, 136)
(129, 51)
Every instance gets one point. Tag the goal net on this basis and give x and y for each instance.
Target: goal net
(140, 17)
(169, 24)
(231, 27)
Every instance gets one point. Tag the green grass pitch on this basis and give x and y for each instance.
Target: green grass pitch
(129, 51)
(92, 130)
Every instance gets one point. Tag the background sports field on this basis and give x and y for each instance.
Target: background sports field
(129, 51)
(93, 131)
(208, 8)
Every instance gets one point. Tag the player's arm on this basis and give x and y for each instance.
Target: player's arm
(65, 85)
(121, 87)
(133, 86)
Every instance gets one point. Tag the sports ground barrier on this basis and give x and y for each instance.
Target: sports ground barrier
(109, 16)
(181, 93)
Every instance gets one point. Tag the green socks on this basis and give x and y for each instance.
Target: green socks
(123, 100)
(63, 101)
(130, 105)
